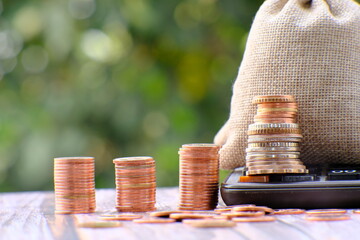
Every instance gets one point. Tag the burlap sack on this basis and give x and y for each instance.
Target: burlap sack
(309, 49)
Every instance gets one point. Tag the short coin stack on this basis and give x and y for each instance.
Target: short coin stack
(74, 185)
(135, 184)
(199, 176)
(273, 140)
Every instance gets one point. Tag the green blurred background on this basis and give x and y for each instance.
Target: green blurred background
(113, 78)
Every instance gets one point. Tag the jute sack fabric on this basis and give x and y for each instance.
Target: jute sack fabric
(309, 49)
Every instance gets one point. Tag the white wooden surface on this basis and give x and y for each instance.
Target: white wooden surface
(30, 215)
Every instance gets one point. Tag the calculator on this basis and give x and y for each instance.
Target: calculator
(336, 186)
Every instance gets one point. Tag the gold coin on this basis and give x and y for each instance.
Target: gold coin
(274, 131)
(327, 217)
(120, 217)
(99, 224)
(254, 219)
(243, 214)
(289, 211)
(326, 211)
(261, 110)
(252, 208)
(209, 223)
(154, 220)
(180, 216)
(273, 98)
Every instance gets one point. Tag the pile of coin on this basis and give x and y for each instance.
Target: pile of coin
(135, 184)
(74, 185)
(273, 140)
(199, 176)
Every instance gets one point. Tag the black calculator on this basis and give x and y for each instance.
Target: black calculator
(323, 187)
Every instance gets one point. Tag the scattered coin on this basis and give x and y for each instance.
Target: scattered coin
(99, 224)
(289, 211)
(326, 211)
(210, 223)
(120, 217)
(252, 208)
(181, 216)
(327, 217)
(222, 209)
(254, 219)
(154, 220)
(243, 214)
(356, 211)
(163, 213)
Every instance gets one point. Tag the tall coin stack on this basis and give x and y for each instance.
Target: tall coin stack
(74, 185)
(135, 184)
(273, 140)
(199, 176)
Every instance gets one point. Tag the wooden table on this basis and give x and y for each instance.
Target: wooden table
(30, 215)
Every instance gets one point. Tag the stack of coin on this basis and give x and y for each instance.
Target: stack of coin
(74, 185)
(199, 176)
(135, 184)
(273, 140)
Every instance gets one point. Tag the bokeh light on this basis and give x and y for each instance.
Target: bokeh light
(112, 79)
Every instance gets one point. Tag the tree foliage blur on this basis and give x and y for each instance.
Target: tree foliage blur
(113, 78)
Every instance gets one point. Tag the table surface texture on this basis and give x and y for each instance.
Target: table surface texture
(30, 215)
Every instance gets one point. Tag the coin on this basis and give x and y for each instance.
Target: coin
(243, 214)
(326, 211)
(289, 211)
(273, 98)
(154, 220)
(273, 140)
(255, 126)
(270, 155)
(274, 131)
(356, 211)
(209, 223)
(277, 166)
(274, 120)
(180, 216)
(268, 139)
(274, 104)
(327, 217)
(274, 144)
(276, 109)
(199, 176)
(135, 184)
(276, 171)
(254, 219)
(292, 161)
(163, 213)
(99, 224)
(74, 185)
(272, 149)
(120, 217)
(252, 208)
